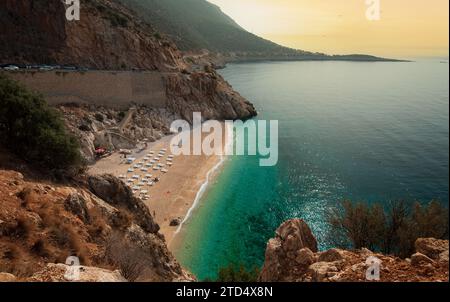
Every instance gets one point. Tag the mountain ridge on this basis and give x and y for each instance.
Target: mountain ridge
(196, 25)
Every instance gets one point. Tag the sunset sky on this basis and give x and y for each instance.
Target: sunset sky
(407, 28)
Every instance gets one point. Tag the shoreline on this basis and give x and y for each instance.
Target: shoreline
(179, 192)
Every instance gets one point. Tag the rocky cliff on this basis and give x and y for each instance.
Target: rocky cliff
(109, 36)
(111, 232)
(292, 256)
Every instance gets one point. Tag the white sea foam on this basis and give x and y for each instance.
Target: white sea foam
(228, 144)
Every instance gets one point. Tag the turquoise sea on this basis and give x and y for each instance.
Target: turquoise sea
(347, 130)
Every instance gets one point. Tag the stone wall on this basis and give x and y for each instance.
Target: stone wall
(111, 88)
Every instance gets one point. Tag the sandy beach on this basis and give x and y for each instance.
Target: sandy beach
(174, 195)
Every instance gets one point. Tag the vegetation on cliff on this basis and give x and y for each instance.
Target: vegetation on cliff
(391, 230)
(34, 131)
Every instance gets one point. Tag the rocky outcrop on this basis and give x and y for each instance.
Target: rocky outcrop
(64, 273)
(433, 248)
(42, 224)
(292, 256)
(208, 93)
(118, 194)
(290, 252)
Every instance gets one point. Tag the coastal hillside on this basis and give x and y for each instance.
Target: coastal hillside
(198, 25)
(99, 221)
(292, 256)
(111, 37)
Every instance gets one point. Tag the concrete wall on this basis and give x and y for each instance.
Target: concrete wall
(116, 89)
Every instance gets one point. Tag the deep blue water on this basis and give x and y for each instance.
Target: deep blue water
(370, 132)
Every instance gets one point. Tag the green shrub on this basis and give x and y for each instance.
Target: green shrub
(391, 230)
(237, 273)
(34, 131)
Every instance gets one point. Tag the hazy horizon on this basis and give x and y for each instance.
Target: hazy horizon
(406, 29)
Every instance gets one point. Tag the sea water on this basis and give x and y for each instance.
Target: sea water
(357, 131)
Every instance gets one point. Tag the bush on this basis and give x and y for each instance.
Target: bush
(391, 230)
(129, 259)
(237, 273)
(99, 117)
(34, 131)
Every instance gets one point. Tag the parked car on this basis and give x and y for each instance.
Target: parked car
(46, 68)
(11, 68)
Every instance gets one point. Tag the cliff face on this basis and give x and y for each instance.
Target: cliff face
(105, 37)
(110, 231)
(292, 256)
(109, 36)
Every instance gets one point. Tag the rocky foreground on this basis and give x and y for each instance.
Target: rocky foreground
(292, 256)
(111, 232)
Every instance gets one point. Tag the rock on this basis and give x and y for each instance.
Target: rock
(296, 235)
(288, 247)
(76, 204)
(163, 265)
(321, 270)
(366, 252)
(117, 194)
(443, 258)
(175, 222)
(419, 259)
(305, 257)
(431, 247)
(64, 273)
(331, 256)
(6, 277)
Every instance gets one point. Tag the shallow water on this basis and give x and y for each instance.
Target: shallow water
(347, 130)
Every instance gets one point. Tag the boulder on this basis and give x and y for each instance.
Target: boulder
(289, 253)
(296, 235)
(76, 204)
(305, 257)
(431, 247)
(443, 258)
(6, 277)
(331, 256)
(322, 270)
(175, 222)
(419, 259)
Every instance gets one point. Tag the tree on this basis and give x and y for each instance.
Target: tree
(391, 230)
(34, 131)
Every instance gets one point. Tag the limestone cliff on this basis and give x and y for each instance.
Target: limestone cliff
(109, 36)
(292, 256)
(111, 232)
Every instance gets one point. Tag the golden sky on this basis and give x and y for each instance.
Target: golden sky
(407, 28)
